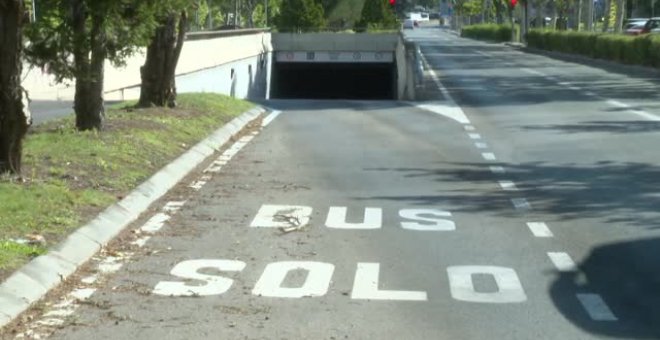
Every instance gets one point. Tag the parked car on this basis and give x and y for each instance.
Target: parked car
(634, 28)
(634, 21)
(652, 26)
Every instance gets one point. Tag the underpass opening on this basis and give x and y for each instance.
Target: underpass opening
(314, 80)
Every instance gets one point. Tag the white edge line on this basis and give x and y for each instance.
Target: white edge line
(79, 247)
(270, 118)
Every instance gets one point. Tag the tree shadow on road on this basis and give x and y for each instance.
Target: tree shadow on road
(620, 127)
(626, 194)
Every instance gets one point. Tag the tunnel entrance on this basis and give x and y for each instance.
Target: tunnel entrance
(373, 81)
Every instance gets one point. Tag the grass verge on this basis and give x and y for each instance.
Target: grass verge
(71, 176)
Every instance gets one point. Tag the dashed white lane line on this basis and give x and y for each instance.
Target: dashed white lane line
(521, 204)
(508, 185)
(469, 128)
(474, 135)
(481, 145)
(539, 229)
(497, 169)
(562, 261)
(596, 307)
(489, 156)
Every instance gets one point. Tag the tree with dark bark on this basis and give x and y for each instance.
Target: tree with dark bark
(88, 32)
(377, 14)
(159, 70)
(300, 16)
(14, 114)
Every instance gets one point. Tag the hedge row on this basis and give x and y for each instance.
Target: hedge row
(492, 32)
(639, 50)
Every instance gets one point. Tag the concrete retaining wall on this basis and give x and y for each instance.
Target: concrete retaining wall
(218, 52)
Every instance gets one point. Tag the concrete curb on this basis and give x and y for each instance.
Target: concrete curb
(34, 280)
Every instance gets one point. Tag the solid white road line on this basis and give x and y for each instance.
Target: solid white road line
(562, 261)
(596, 307)
(269, 119)
(450, 101)
(539, 229)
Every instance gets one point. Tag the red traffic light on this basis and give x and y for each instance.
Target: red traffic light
(514, 3)
(392, 2)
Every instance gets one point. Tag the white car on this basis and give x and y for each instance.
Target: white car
(409, 24)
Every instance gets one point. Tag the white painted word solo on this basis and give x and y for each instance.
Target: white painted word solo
(319, 274)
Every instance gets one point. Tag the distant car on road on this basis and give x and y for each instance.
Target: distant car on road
(652, 26)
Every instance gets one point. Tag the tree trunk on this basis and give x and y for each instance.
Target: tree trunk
(513, 26)
(158, 72)
(553, 20)
(590, 15)
(578, 15)
(483, 11)
(89, 57)
(14, 114)
(608, 8)
(499, 11)
(540, 18)
(525, 21)
(620, 13)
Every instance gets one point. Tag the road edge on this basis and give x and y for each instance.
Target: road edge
(627, 69)
(36, 278)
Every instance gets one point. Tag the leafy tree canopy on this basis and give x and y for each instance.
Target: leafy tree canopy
(126, 26)
(300, 16)
(377, 14)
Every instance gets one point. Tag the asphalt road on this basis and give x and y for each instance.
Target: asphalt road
(537, 218)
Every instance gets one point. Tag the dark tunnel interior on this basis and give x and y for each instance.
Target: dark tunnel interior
(372, 81)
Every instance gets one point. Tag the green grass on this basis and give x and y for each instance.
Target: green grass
(71, 176)
(13, 254)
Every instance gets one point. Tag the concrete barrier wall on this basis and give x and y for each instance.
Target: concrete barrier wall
(236, 63)
(218, 53)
